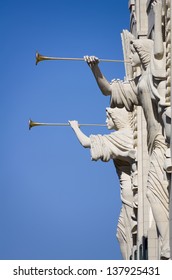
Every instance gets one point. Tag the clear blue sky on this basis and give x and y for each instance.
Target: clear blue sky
(55, 202)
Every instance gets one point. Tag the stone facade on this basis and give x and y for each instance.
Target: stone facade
(142, 25)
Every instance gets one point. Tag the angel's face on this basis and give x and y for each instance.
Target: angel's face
(109, 122)
(134, 57)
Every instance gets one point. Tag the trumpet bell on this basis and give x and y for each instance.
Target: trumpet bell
(39, 58)
(31, 124)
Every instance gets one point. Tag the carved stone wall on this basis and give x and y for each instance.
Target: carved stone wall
(142, 26)
(169, 25)
(168, 48)
(138, 24)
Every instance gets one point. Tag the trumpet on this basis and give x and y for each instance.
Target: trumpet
(32, 124)
(40, 57)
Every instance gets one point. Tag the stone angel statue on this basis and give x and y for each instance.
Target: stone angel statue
(116, 146)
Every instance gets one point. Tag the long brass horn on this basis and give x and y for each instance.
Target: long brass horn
(32, 124)
(40, 57)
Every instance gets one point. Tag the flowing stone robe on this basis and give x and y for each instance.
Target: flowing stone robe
(118, 146)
